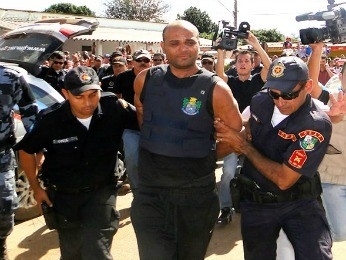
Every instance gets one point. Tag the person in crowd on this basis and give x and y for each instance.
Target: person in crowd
(124, 89)
(232, 70)
(257, 63)
(14, 91)
(158, 58)
(80, 139)
(108, 68)
(176, 206)
(287, 43)
(333, 166)
(325, 72)
(55, 73)
(208, 61)
(286, 140)
(98, 65)
(118, 64)
(129, 62)
(243, 87)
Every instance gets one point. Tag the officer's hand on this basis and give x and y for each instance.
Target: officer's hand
(40, 195)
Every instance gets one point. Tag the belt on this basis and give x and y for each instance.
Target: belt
(268, 197)
(85, 189)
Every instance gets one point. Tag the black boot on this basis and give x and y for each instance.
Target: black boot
(3, 249)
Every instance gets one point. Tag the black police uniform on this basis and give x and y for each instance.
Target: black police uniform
(124, 85)
(78, 172)
(176, 206)
(53, 78)
(108, 83)
(299, 141)
(243, 91)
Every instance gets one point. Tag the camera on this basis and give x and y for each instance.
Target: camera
(335, 29)
(226, 37)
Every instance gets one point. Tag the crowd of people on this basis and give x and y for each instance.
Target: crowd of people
(173, 120)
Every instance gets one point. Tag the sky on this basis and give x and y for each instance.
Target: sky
(260, 14)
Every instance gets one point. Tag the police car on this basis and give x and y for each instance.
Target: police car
(25, 49)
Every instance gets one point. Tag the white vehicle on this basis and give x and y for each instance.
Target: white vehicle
(24, 49)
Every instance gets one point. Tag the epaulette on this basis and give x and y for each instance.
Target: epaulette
(123, 103)
(48, 110)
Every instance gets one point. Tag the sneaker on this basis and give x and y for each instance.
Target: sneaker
(225, 217)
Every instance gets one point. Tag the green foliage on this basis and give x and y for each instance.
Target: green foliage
(67, 8)
(271, 35)
(142, 10)
(200, 19)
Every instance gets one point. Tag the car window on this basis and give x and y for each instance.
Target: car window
(42, 97)
(28, 48)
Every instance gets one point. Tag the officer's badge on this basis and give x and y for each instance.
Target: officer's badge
(297, 159)
(85, 77)
(191, 106)
(278, 70)
(111, 83)
(308, 143)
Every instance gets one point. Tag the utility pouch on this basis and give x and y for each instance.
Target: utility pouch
(49, 216)
(235, 193)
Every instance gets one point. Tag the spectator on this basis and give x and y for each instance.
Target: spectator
(325, 71)
(124, 89)
(208, 61)
(243, 87)
(175, 208)
(129, 62)
(257, 63)
(158, 58)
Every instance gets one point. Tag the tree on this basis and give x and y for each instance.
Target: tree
(200, 19)
(66, 8)
(271, 35)
(142, 10)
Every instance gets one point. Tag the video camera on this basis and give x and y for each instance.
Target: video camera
(335, 29)
(226, 38)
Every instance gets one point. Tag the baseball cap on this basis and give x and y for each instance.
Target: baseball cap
(81, 79)
(116, 54)
(119, 60)
(106, 56)
(207, 56)
(285, 73)
(140, 54)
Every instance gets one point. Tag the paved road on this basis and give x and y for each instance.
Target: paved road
(31, 240)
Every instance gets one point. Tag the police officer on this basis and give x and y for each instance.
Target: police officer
(14, 91)
(55, 73)
(287, 139)
(80, 140)
(176, 206)
(119, 64)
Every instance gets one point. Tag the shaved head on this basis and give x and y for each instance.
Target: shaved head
(181, 24)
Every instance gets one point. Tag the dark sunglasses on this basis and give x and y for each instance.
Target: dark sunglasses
(285, 96)
(157, 59)
(59, 62)
(207, 62)
(143, 60)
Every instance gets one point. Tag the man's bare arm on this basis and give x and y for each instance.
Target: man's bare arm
(226, 109)
(138, 87)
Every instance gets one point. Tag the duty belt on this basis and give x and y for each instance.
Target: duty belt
(268, 197)
(73, 190)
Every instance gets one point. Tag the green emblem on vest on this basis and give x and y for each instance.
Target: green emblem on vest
(191, 106)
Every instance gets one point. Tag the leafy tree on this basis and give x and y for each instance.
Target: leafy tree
(66, 8)
(271, 35)
(142, 10)
(200, 19)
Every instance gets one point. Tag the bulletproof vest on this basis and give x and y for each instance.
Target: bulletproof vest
(176, 121)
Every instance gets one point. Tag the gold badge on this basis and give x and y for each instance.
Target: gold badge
(84, 77)
(278, 70)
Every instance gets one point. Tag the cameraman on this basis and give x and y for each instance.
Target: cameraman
(243, 86)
